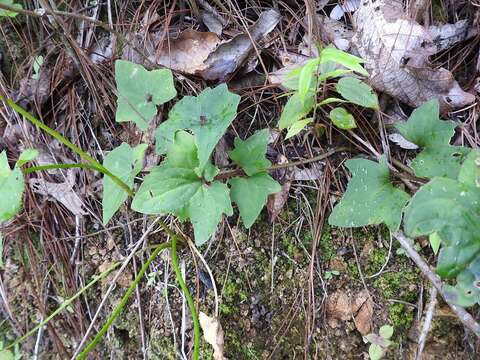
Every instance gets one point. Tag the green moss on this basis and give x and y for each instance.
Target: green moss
(399, 283)
(376, 260)
(327, 248)
(237, 347)
(401, 317)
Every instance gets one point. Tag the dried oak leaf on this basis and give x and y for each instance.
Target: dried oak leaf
(396, 50)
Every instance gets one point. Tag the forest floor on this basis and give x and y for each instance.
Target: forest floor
(290, 287)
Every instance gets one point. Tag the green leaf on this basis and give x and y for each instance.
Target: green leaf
(357, 92)
(307, 79)
(205, 209)
(470, 170)
(330, 101)
(467, 290)
(296, 109)
(250, 154)
(37, 64)
(435, 242)
(125, 163)
(342, 119)
(386, 331)
(251, 193)
(140, 92)
(174, 187)
(26, 156)
(452, 209)
(425, 129)
(6, 354)
(340, 57)
(171, 185)
(370, 198)
(12, 186)
(297, 126)
(8, 12)
(375, 352)
(208, 115)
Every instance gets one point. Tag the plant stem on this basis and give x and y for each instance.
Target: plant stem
(67, 143)
(32, 169)
(118, 309)
(188, 297)
(467, 319)
(238, 172)
(64, 305)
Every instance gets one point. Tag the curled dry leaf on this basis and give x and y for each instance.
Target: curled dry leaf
(202, 53)
(213, 334)
(230, 55)
(62, 192)
(397, 50)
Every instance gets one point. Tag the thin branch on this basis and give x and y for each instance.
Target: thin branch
(467, 319)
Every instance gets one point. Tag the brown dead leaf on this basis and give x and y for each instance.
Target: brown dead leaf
(339, 307)
(362, 307)
(397, 51)
(342, 307)
(276, 201)
(230, 55)
(213, 334)
(188, 52)
(201, 53)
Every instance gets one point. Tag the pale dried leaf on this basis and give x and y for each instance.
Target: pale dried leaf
(213, 334)
(213, 22)
(230, 55)
(447, 35)
(402, 142)
(62, 192)
(397, 50)
(307, 174)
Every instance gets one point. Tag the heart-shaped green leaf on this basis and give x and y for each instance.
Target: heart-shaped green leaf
(12, 186)
(370, 198)
(140, 92)
(125, 163)
(251, 193)
(425, 129)
(208, 115)
(250, 154)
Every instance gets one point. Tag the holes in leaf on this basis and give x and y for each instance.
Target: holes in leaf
(448, 99)
(148, 97)
(477, 284)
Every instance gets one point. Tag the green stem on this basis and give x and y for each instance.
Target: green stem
(188, 297)
(67, 143)
(118, 309)
(32, 169)
(64, 305)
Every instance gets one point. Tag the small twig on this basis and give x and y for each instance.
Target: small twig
(467, 319)
(238, 172)
(427, 323)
